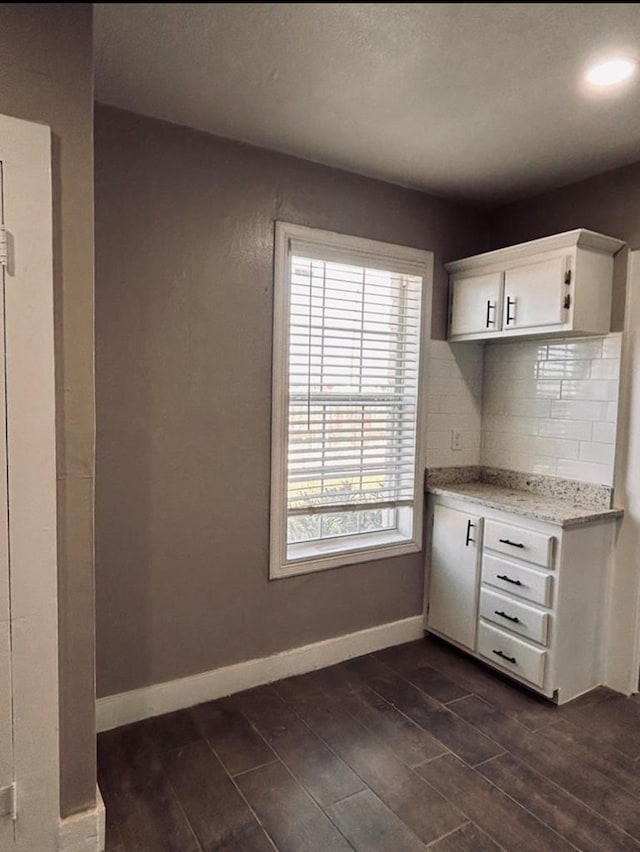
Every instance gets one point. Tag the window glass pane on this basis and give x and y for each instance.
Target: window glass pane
(339, 523)
(371, 520)
(303, 528)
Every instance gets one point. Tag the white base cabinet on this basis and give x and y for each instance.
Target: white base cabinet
(527, 598)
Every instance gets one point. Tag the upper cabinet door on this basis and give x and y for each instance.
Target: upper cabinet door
(535, 294)
(476, 304)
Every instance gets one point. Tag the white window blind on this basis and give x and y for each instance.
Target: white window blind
(352, 324)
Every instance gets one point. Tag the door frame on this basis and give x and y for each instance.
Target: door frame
(25, 151)
(622, 652)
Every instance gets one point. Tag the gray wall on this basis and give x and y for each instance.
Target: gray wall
(184, 254)
(46, 75)
(609, 203)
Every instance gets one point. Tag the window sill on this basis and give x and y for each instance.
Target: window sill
(322, 556)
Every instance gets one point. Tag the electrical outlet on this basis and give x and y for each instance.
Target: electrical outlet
(456, 439)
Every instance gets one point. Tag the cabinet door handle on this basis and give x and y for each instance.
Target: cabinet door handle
(505, 656)
(508, 579)
(491, 306)
(512, 543)
(468, 539)
(510, 303)
(508, 617)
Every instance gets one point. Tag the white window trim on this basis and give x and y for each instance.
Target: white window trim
(381, 545)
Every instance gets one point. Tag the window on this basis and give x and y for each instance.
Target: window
(347, 467)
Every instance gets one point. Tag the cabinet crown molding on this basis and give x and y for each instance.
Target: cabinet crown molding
(580, 238)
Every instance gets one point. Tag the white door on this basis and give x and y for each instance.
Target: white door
(28, 550)
(534, 294)
(476, 304)
(455, 575)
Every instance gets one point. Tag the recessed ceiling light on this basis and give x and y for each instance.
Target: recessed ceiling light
(611, 72)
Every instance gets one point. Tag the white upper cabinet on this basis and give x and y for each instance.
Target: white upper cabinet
(556, 285)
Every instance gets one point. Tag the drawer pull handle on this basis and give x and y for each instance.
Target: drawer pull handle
(505, 656)
(508, 579)
(513, 618)
(469, 540)
(510, 317)
(512, 543)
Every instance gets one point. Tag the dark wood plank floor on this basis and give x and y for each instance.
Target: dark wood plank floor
(414, 747)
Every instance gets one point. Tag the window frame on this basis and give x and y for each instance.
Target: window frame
(369, 251)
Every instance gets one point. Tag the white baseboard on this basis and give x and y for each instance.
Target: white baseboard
(126, 707)
(84, 832)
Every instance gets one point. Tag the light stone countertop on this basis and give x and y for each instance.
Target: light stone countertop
(542, 507)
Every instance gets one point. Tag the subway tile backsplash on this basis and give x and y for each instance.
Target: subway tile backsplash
(551, 407)
(454, 401)
(533, 406)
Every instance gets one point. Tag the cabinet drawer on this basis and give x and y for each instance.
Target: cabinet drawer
(512, 654)
(519, 542)
(527, 583)
(514, 615)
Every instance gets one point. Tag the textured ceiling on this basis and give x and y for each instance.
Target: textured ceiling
(482, 101)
